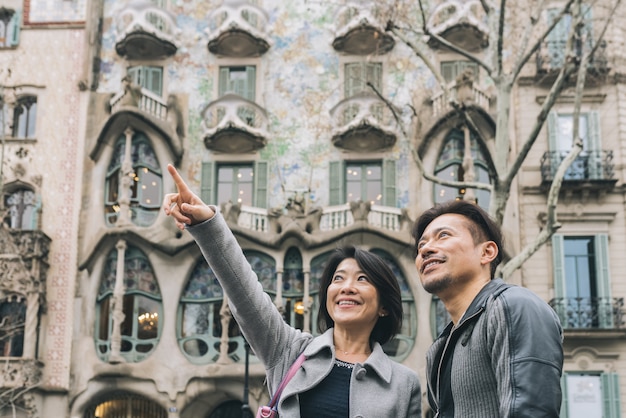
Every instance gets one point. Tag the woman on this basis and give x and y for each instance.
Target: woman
(346, 372)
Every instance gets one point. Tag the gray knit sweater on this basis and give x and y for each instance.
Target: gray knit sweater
(507, 358)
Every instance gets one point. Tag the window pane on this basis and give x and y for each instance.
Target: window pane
(147, 318)
(12, 318)
(21, 209)
(566, 132)
(584, 396)
(579, 264)
(364, 182)
(235, 184)
(150, 188)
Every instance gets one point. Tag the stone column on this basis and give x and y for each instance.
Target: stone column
(126, 181)
(118, 305)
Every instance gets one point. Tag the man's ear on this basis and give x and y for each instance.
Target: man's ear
(489, 252)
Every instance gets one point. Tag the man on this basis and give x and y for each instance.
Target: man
(502, 354)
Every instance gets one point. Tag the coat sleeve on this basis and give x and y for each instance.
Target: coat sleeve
(257, 316)
(527, 354)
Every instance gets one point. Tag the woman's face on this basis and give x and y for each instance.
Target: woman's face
(352, 300)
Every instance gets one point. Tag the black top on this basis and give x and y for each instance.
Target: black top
(331, 397)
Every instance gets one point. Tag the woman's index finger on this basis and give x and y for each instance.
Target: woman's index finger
(180, 183)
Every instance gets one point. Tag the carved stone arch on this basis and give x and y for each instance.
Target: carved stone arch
(586, 358)
(160, 132)
(482, 121)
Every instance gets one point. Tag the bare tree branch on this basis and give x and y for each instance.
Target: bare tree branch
(523, 59)
(552, 223)
(500, 42)
(455, 184)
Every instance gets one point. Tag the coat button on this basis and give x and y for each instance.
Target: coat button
(360, 374)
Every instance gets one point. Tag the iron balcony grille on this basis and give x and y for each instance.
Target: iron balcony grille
(588, 166)
(589, 312)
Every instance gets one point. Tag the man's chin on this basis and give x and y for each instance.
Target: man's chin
(437, 286)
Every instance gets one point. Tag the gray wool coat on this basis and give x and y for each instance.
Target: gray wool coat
(379, 387)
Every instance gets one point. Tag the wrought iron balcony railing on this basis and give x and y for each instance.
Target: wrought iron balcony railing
(588, 166)
(590, 312)
(551, 56)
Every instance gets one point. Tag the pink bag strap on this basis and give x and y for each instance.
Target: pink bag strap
(290, 373)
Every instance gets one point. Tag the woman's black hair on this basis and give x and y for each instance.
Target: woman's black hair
(381, 277)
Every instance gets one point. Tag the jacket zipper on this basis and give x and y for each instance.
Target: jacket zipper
(443, 353)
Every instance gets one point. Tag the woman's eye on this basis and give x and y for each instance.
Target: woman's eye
(362, 278)
(337, 278)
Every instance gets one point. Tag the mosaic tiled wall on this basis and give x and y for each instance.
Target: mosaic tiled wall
(301, 83)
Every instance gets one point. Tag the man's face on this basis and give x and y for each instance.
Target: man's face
(447, 257)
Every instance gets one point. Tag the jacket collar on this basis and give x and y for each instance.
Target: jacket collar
(480, 301)
(377, 361)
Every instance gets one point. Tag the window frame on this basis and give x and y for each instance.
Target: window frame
(337, 186)
(602, 276)
(130, 307)
(25, 117)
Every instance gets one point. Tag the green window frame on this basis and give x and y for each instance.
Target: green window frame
(571, 266)
(148, 77)
(358, 74)
(10, 28)
(210, 182)
(588, 165)
(240, 80)
(599, 389)
(142, 307)
(557, 38)
(450, 70)
(346, 176)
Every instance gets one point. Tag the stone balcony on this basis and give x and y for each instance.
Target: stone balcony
(330, 218)
(360, 29)
(465, 94)
(238, 29)
(234, 125)
(363, 123)
(145, 31)
(462, 23)
(143, 99)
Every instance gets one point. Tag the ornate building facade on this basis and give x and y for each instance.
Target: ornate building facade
(302, 121)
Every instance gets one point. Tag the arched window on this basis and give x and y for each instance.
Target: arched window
(199, 325)
(12, 321)
(22, 209)
(293, 288)
(400, 346)
(126, 405)
(25, 117)
(145, 186)
(142, 307)
(450, 167)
